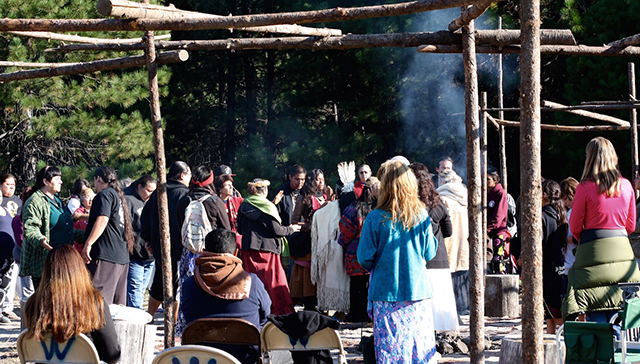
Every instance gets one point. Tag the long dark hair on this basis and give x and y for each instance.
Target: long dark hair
(426, 190)
(365, 203)
(80, 185)
(47, 173)
(201, 174)
(310, 187)
(109, 176)
(176, 170)
(552, 189)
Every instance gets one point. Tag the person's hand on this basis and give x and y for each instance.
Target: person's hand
(295, 227)
(277, 198)
(147, 245)
(46, 245)
(85, 253)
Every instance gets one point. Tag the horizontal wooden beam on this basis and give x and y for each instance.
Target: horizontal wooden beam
(33, 64)
(95, 66)
(567, 127)
(588, 114)
(80, 39)
(625, 42)
(504, 37)
(225, 22)
(468, 15)
(567, 50)
(138, 10)
(348, 41)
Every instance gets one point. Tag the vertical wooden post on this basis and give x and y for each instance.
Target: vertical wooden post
(476, 256)
(633, 120)
(530, 183)
(163, 209)
(503, 143)
(483, 177)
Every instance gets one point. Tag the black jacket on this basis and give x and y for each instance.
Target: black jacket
(136, 205)
(260, 231)
(285, 206)
(441, 226)
(216, 211)
(553, 237)
(151, 222)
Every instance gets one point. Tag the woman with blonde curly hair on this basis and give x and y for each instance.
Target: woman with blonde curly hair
(602, 217)
(396, 242)
(262, 240)
(66, 304)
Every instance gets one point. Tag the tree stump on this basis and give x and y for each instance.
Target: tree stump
(501, 295)
(511, 350)
(137, 342)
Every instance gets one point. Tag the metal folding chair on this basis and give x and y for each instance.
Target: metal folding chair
(79, 349)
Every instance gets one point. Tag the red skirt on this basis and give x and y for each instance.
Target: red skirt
(268, 267)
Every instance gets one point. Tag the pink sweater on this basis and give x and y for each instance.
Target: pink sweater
(593, 210)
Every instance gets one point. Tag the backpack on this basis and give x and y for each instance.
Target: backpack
(196, 225)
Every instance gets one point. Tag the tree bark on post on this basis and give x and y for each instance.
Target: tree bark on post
(483, 175)
(530, 186)
(633, 120)
(503, 142)
(476, 256)
(163, 208)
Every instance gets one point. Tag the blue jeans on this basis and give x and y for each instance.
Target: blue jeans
(137, 282)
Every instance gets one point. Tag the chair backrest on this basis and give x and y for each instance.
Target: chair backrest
(272, 338)
(187, 354)
(588, 342)
(631, 314)
(78, 349)
(232, 331)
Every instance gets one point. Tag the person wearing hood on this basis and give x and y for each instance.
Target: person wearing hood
(220, 287)
(200, 188)
(262, 240)
(141, 262)
(554, 237)
(177, 182)
(453, 194)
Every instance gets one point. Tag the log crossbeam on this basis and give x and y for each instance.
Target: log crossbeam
(556, 127)
(568, 50)
(468, 15)
(81, 39)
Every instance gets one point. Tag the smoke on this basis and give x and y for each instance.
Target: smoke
(432, 94)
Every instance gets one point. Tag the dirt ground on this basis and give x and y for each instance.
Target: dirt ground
(350, 333)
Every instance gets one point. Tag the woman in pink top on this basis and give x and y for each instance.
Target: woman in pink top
(602, 216)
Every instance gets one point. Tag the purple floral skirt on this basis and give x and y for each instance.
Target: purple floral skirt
(403, 332)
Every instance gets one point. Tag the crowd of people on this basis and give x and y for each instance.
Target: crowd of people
(391, 249)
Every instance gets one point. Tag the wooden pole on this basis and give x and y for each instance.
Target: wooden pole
(80, 39)
(135, 10)
(625, 42)
(34, 64)
(468, 15)
(583, 128)
(226, 22)
(567, 50)
(591, 106)
(94, 66)
(349, 41)
(501, 131)
(483, 176)
(163, 206)
(588, 114)
(530, 184)
(633, 121)
(476, 255)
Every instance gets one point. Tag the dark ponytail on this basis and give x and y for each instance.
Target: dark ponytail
(108, 175)
(552, 189)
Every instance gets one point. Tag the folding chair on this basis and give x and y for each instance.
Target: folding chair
(629, 322)
(586, 342)
(272, 338)
(78, 349)
(227, 331)
(187, 354)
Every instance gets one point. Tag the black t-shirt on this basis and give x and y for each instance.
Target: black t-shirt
(111, 246)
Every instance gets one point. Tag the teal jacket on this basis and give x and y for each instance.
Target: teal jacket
(397, 257)
(593, 279)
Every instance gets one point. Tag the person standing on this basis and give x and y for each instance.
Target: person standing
(497, 214)
(46, 221)
(177, 181)
(224, 186)
(396, 243)
(109, 238)
(7, 242)
(602, 217)
(141, 262)
(13, 204)
(287, 195)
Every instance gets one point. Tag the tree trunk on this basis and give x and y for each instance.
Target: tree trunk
(530, 184)
(476, 269)
(230, 136)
